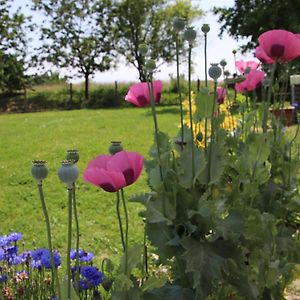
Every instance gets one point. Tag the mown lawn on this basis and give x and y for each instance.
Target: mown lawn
(47, 136)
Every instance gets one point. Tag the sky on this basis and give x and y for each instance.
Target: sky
(217, 49)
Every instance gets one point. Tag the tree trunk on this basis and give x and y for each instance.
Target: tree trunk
(86, 90)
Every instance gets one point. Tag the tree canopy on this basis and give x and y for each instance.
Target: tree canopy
(77, 34)
(13, 43)
(150, 22)
(250, 18)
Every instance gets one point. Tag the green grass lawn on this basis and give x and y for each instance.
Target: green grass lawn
(47, 136)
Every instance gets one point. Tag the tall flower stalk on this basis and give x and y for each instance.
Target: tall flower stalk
(190, 36)
(205, 29)
(68, 173)
(126, 230)
(39, 172)
(179, 25)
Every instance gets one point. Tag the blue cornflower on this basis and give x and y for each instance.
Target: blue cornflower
(41, 258)
(3, 278)
(26, 256)
(15, 236)
(92, 275)
(11, 251)
(2, 254)
(15, 260)
(4, 241)
(83, 255)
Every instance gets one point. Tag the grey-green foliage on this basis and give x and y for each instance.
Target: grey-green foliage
(150, 22)
(77, 35)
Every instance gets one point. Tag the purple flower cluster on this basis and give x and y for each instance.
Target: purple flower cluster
(90, 277)
(41, 258)
(83, 255)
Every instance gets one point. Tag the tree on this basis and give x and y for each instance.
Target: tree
(149, 22)
(13, 43)
(77, 34)
(12, 77)
(250, 18)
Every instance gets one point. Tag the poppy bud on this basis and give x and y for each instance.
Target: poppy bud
(223, 63)
(205, 28)
(143, 49)
(178, 24)
(115, 147)
(39, 170)
(214, 72)
(151, 65)
(68, 172)
(73, 154)
(190, 35)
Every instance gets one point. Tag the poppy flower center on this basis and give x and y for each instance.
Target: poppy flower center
(277, 50)
(108, 187)
(142, 100)
(129, 176)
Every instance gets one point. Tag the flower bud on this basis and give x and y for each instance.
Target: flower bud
(115, 147)
(73, 154)
(151, 65)
(205, 28)
(247, 70)
(68, 172)
(239, 79)
(226, 73)
(178, 24)
(39, 170)
(143, 49)
(266, 82)
(223, 63)
(190, 35)
(214, 72)
(234, 51)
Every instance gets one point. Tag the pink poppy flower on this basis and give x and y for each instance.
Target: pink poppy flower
(243, 65)
(262, 56)
(280, 45)
(221, 93)
(252, 81)
(138, 94)
(113, 172)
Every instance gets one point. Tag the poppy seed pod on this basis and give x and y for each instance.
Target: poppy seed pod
(190, 35)
(73, 154)
(39, 170)
(115, 147)
(150, 65)
(178, 24)
(68, 172)
(223, 63)
(143, 49)
(234, 51)
(205, 28)
(214, 72)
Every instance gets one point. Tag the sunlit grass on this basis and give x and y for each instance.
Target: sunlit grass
(47, 136)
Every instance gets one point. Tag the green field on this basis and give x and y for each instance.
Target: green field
(47, 136)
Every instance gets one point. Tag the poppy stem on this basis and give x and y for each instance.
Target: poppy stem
(120, 220)
(179, 92)
(77, 240)
(48, 229)
(126, 231)
(70, 196)
(212, 134)
(156, 130)
(190, 108)
(205, 58)
(267, 104)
